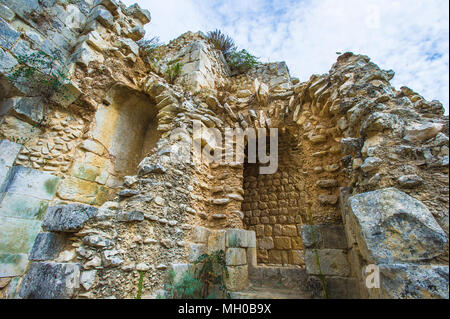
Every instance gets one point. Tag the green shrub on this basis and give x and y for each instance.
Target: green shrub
(41, 73)
(149, 47)
(241, 61)
(173, 71)
(205, 282)
(187, 287)
(221, 42)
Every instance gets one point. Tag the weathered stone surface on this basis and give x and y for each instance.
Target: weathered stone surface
(333, 262)
(6, 13)
(237, 278)
(31, 182)
(128, 193)
(216, 241)
(134, 216)
(68, 218)
(196, 250)
(87, 279)
(328, 199)
(410, 281)
(410, 181)
(393, 227)
(97, 241)
(47, 246)
(30, 109)
(327, 183)
(18, 235)
(8, 36)
(324, 236)
(423, 132)
(371, 164)
(142, 14)
(236, 256)
(12, 265)
(236, 238)
(46, 280)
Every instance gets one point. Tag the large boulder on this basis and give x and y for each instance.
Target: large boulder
(391, 227)
(410, 281)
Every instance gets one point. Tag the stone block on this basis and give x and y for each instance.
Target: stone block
(180, 269)
(67, 94)
(29, 109)
(297, 257)
(7, 62)
(251, 257)
(391, 226)
(46, 280)
(68, 218)
(411, 281)
(282, 242)
(251, 239)
(103, 16)
(236, 256)
(6, 13)
(22, 7)
(333, 262)
(237, 278)
(30, 182)
(195, 251)
(142, 15)
(8, 152)
(47, 246)
(265, 243)
(87, 278)
(236, 238)
(134, 216)
(289, 230)
(12, 264)
(18, 235)
(216, 241)
(21, 206)
(326, 236)
(8, 36)
(79, 190)
(200, 234)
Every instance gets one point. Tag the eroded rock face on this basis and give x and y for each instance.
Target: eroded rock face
(394, 227)
(46, 280)
(400, 281)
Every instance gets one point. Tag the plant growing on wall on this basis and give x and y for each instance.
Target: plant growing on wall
(205, 282)
(42, 74)
(173, 71)
(140, 285)
(221, 42)
(241, 61)
(149, 49)
(238, 61)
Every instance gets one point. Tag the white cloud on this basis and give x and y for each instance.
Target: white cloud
(410, 37)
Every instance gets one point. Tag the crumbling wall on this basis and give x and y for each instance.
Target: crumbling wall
(120, 204)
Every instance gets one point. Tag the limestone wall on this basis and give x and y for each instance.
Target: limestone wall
(119, 204)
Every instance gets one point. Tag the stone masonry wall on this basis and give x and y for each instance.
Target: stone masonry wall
(89, 191)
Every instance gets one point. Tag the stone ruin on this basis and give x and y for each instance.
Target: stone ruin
(89, 196)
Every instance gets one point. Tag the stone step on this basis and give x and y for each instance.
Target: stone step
(278, 277)
(270, 293)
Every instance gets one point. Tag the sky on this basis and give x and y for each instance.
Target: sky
(410, 37)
